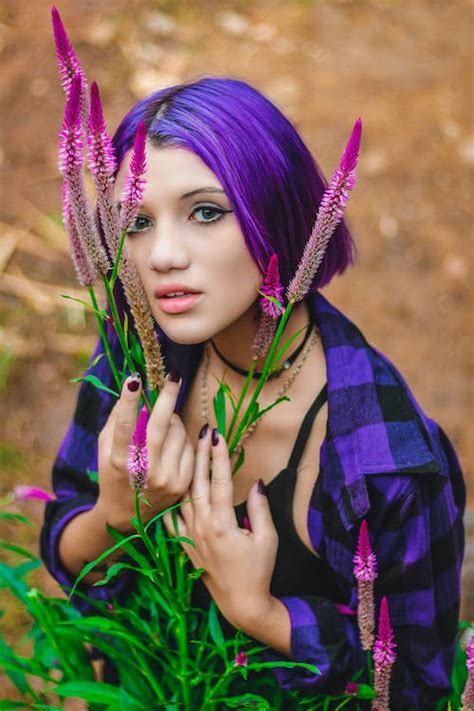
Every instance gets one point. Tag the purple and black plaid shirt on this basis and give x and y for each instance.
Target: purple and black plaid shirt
(383, 460)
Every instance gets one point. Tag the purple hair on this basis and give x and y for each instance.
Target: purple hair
(272, 181)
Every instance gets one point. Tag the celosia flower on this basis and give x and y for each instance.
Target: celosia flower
(137, 463)
(384, 656)
(102, 165)
(365, 574)
(467, 698)
(241, 660)
(86, 274)
(71, 160)
(269, 311)
(330, 213)
(69, 64)
(351, 688)
(135, 182)
(24, 492)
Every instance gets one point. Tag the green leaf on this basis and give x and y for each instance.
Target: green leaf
(114, 570)
(269, 407)
(219, 408)
(93, 476)
(18, 549)
(289, 665)
(90, 566)
(8, 516)
(95, 691)
(365, 692)
(95, 381)
(273, 299)
(247, 700)
(84, 303)
(95, 361)
(214, 626)
(239, 462)
(277, 357)
(125, 328)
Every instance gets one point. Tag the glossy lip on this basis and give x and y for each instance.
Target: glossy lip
(160, 291)
(178, 304)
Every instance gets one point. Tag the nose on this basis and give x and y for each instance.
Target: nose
(168, 248)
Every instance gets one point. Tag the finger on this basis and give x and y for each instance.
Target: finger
(160, 417)
(222, 508)
(200, 484)
(260, 515)
(125, 417)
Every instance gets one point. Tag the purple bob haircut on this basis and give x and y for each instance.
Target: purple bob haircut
(272, 181)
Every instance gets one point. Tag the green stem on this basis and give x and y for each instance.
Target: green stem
(113, 278)
(261, 381)
(148, 673)
(104, 338)
(182, 629)
(248, 380)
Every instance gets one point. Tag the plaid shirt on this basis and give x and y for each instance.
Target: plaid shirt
(382, 459)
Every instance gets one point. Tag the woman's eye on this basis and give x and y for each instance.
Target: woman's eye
(140, 224)
(210, 214)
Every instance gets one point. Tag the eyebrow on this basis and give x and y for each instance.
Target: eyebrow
(201, 190)
(208, 189)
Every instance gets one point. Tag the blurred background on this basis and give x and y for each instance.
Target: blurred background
(405, 67)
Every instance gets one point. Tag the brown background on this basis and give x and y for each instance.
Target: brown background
(404, 67)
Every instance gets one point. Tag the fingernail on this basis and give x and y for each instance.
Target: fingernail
(203, 430)
(134, 384)
(174, 376)
(215, 436)
(262, 489)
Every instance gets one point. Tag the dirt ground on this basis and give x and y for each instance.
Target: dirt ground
(404, 67)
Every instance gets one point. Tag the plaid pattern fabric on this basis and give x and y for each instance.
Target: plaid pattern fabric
(383, 460)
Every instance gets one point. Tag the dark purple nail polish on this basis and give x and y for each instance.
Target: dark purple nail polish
(174, 376)
(215, 436)
(133, 385)
(203, 431)
(262, 489)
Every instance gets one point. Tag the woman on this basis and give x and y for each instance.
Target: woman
(229, 183)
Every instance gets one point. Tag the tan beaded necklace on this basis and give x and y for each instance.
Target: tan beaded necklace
(293, 373)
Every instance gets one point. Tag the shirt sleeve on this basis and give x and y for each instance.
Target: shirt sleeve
(75, 490)
(419, 542)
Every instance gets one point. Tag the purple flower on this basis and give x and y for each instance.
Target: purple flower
(467, 698)
(102, 165)
(365, 574)
(241, 660)
(137, 463)
(135, 182)
(69, 64)
(24, 493)
(271, 286)
(71, 160)
(329, 215)
(384, 656)
(345, 610)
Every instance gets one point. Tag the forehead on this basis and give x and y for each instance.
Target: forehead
(171, 169)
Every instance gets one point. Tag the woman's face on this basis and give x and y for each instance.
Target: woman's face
(194, 240)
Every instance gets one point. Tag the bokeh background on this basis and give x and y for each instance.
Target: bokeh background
(404, 66)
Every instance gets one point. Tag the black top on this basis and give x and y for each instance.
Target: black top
(297, 571)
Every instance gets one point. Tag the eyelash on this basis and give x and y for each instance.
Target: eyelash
(219, 210)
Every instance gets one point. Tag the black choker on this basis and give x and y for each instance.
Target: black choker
(286, 364)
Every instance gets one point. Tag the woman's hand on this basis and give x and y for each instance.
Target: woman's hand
(238, 563)
(170, 456)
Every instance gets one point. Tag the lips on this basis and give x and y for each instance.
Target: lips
(178, 304)
(165, 289)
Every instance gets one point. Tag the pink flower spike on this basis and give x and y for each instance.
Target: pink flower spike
(71, 141)
(135, 182)
(364, 559)
(330, 212)
(137, 463)
(467, 698)
(271, 286)
(241, 660)
(25, 492)
(69, 64)
(102, 165)
(85, 272)
(384, 656)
